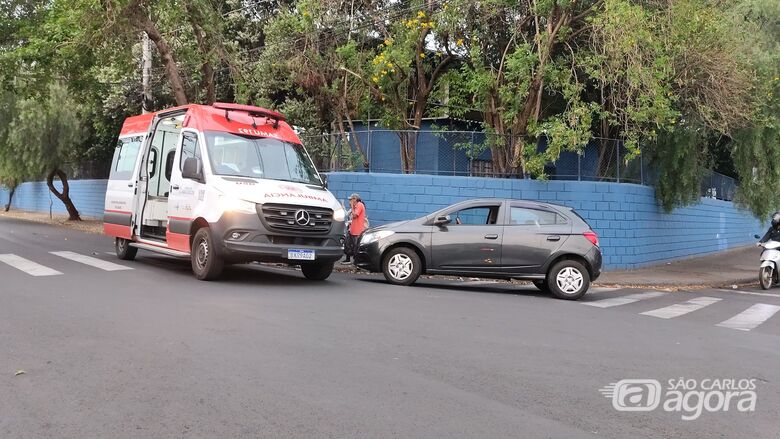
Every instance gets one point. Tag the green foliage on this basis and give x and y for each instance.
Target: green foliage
(44, 135)
(680, 159)
(676, 77)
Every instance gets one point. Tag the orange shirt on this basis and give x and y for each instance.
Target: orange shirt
(358, 219)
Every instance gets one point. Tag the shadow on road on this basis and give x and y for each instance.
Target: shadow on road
(498, 288)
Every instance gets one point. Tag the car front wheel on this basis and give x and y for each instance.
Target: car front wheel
(568, 280)
(206, 263)
(401, 266)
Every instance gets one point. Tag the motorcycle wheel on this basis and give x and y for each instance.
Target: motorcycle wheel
(765, 277)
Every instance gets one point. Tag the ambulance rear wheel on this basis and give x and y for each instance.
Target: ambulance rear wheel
(206, 263)
(123, 249)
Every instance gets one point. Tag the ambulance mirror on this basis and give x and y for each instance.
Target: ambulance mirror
(193, 169)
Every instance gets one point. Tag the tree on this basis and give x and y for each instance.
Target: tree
(520, 69)
(44, 137)
(407, 69)
(311, 56)
(10, 175)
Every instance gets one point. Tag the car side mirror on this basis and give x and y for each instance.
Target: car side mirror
(442, 220)
(756, 236)
(324, 178)
(193, 169)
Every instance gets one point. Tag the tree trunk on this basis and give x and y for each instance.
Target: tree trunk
(64, 196)
(140, 18)
(10, 198)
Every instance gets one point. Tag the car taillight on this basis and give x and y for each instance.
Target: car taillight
(592, 237)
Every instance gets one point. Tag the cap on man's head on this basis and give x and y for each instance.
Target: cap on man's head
(354, 196)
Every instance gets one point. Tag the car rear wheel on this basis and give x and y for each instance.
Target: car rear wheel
(568, 280)
(401, 266)
(206, 263)
(317, 271)
(123, 249)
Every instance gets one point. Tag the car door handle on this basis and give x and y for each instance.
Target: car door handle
(130, 184)
(553, 238)
(492, 236)
(175, 187)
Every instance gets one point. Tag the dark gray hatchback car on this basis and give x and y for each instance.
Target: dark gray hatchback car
(548, 244)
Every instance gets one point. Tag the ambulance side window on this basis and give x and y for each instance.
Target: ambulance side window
(189, 148)
(125, 158)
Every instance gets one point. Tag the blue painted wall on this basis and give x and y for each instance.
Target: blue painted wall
(634, 230)
(87, 195)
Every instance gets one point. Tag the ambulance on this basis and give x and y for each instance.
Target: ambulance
(221, 184)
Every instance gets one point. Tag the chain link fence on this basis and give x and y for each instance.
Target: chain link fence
(480, 154)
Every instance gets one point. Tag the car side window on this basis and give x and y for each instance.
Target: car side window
(523, 216)
(189, 148)
(475, 216)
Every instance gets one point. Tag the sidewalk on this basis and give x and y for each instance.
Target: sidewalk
(724, 269)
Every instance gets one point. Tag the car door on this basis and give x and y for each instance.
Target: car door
(531, 235)
(121, 188)
(185, 194)
(471, 241)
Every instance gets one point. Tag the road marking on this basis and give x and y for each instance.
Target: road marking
(624, 300)
(92, 262)
(680, 309)
(28, 266)
(752, 293)
(751, 317)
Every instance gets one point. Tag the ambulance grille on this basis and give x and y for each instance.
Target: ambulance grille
(289, 218)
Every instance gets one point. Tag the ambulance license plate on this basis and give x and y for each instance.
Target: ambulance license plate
(301, 255)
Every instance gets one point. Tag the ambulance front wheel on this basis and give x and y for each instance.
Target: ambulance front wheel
(206, 263)
(123, 249)
(317, 270)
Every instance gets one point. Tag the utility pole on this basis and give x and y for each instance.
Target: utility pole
(146, 73)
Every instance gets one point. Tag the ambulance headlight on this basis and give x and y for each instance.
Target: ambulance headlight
(368, 238)
(230, 204)
(339, 214)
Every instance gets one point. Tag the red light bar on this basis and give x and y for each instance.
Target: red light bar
(253, 111)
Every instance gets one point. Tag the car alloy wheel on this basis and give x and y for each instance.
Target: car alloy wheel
(400, 267)
(569, 280)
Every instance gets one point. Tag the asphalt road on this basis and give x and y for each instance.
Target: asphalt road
(151, 352)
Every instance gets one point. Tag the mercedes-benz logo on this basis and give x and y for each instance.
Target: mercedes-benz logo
(302, 217)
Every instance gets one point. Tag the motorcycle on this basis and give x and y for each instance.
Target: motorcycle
(770, 261)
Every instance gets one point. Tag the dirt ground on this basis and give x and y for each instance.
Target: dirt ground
(89, 225)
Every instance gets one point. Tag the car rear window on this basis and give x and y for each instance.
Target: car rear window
(578, 216)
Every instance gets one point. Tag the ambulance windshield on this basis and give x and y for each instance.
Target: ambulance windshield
(255, 157)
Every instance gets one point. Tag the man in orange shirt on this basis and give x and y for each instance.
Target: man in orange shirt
(356, 227)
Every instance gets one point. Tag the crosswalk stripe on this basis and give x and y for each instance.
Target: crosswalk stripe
(623, 300)
(28, 266)
(751, 317)
(92, 262)
(679, 309)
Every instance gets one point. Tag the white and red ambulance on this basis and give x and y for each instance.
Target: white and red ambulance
(221, 183)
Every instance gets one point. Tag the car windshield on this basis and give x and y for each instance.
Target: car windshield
(259, 157)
